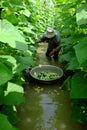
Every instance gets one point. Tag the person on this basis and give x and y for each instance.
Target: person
(52, 37)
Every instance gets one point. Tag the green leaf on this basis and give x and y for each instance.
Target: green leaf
(23, 63)
(5, 74)
(11, 112)
(13, 95)
(12, 18)
(79, 86)
(27, 29)
(9, 60)
(16, 2)
(67, 56)
(79, 110)
(73, 64)
(67, 84)
(1, 91)
(4, 123)
(81, 50)
(26, 12)
(18, 78)
(9, 34)
(81, 15)
(68, 40)
(84, 66)
(67, 31)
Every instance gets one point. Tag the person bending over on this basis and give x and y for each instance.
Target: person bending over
(52, 37)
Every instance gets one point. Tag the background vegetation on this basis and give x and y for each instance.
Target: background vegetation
(21, 23)
(73, 21)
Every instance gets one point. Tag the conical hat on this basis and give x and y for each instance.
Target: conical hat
(50, 32)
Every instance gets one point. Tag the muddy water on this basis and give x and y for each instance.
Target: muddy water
(46, 107)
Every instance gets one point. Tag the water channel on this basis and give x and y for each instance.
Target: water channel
(46, 107)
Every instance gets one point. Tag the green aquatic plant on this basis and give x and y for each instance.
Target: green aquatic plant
(46, 75)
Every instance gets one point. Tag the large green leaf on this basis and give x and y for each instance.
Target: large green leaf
(4, 123)
(67, 83)
(24, 62)
(79, 86)
(9, 60)
(13, 95)
(1, 91)
(68, 56)
(68, 40)
(5, 74)
(81, 50)
(84, 66)
(11, 112)
(81, 15)
(9, 34)
(73, 64)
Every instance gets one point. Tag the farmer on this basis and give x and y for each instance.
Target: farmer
(52, 37)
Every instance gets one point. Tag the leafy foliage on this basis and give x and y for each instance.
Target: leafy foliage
(73, 17)
(4, 124)
(5, 73)
(15, 56)
(81, 50)
(79, 110)
(13, 95)
(78, 86)
(11, 113)
(10, 35)
(21, 23)
(81, 15)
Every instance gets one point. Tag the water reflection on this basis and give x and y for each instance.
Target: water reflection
(30, 112)
(46, 107)
(48, 111)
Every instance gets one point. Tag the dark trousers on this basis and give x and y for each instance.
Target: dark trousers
(55, 56)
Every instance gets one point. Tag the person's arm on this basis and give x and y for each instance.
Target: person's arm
(42, 39)
(58, 40)
(55, 50)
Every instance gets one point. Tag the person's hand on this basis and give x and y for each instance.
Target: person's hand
(38, 41)
(51, 53)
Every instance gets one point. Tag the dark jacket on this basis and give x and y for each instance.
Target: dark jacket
(53, 43)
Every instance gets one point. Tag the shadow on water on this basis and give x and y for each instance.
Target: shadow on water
(46, 107)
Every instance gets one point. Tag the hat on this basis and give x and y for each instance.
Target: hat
(50, 32)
